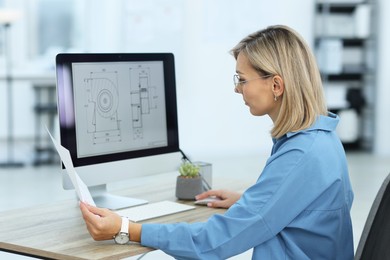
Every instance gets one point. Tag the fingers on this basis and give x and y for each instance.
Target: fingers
(84, 210)
(89, 212)
(226, 198)
(202, 195)
(98, 211)
(102, 224)
(219, 204)
(208, 193)
(224, 201)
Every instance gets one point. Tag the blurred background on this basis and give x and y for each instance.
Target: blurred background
(349, 38)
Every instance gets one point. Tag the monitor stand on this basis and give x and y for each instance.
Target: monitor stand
(103, 199)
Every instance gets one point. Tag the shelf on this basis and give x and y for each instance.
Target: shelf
(344, 42)
(347, 41)
(338, 8)
(350, 72)
(343, 76)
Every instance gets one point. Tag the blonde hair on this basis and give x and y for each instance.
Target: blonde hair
(279, 50)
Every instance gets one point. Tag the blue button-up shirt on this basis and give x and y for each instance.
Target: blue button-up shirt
(299, 208)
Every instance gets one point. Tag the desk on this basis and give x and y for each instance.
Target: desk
(58, 231)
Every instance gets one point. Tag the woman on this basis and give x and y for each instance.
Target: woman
(299, 208)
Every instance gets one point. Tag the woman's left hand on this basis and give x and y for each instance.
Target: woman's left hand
(102, 224)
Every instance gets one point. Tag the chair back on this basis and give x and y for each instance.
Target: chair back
(375, 239)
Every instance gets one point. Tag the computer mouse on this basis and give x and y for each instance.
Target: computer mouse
(206, 200)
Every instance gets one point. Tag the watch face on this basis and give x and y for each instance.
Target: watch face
(122, 238)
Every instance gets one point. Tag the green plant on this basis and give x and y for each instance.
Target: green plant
(189, 170)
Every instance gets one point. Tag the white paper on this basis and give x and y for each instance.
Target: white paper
(81, 189)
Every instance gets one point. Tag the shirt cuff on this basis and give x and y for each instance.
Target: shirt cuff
(150, 235)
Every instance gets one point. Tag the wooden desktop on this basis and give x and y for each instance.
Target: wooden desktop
(57, 230)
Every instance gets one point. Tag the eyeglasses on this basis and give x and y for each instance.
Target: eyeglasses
(238, 82)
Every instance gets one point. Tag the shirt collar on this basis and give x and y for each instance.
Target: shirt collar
(325, 123)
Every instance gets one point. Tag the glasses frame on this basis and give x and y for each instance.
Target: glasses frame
(237, 82)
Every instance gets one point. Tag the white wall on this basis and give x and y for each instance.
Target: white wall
(213, 120)
(382, 126)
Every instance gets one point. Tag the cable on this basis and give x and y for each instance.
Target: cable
(206, 185)
(184, 156)
(142, 256)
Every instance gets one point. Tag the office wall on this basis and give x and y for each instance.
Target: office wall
(213, 120)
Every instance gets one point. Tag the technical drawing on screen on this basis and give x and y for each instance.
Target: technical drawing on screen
(117, 106)
(118, 118)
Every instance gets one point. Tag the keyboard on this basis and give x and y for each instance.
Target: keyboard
(153, 210)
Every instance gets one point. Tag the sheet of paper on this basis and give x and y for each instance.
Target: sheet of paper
(81, 189)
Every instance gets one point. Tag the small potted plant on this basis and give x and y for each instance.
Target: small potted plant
(189, 182)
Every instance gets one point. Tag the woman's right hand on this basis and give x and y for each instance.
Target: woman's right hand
(227, 198)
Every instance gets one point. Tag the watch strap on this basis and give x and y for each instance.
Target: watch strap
(125, 225)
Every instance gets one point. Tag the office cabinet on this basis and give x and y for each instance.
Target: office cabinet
(345, 48)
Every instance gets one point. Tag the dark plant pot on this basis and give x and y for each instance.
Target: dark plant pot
(188, 188)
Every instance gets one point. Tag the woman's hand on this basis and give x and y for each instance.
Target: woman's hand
(227, 198)
(102, 224)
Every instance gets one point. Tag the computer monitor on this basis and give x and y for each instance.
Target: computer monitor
(118, 118)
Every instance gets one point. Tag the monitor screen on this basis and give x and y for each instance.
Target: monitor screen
(116, 107)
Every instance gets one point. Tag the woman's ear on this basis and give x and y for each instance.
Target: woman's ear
(278, 86)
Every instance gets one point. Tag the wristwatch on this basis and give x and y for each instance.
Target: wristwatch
(123, 236)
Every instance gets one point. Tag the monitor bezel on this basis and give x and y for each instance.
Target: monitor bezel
(68, 130)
